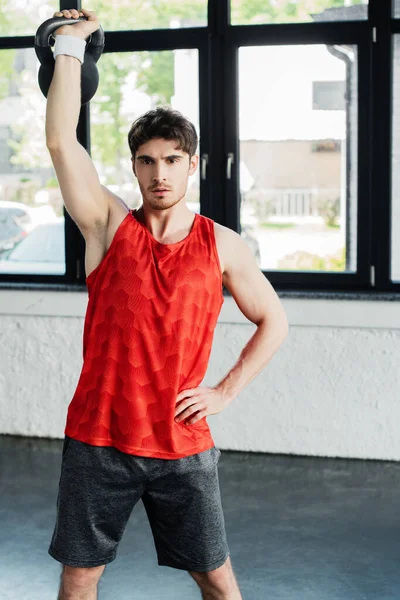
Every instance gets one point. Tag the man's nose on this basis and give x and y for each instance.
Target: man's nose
(159, 172)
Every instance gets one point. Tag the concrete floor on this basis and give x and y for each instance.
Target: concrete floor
(298, 529)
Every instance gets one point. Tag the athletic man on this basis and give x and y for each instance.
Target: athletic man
(136, 425)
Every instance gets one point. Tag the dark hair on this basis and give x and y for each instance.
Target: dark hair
(163, 122)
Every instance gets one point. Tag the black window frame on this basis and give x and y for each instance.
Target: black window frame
(217, 44)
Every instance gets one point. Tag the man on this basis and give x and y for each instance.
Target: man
(136, 426)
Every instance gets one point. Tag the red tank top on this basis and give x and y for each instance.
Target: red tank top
(149, 325)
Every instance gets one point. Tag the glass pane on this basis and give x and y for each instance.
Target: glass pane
(23, 17)
(31, 205)
(298, 164)
(259, 12)
(396, 8)
(152, 14)
(395, 264)
(131, 84)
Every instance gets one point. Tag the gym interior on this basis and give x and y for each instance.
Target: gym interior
(297, 107)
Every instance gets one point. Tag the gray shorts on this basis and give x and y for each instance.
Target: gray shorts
(100, 485)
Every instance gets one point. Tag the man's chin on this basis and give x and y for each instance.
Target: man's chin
(160, 203)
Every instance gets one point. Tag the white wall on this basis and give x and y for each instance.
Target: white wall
(332, 389)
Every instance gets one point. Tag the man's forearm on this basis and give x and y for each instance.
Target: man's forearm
(253, 359)
(63, 100)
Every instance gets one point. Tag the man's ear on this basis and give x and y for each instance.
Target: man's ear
(133, 166)
(193, 163)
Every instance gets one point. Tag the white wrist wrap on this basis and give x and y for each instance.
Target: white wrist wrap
(71, 45)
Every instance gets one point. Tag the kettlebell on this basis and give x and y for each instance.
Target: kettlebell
(93, 51)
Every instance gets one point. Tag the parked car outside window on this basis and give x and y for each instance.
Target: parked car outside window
(42, 251)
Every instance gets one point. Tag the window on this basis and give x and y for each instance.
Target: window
(395, 233)
(152, 14)
(23, 17)
(291, 99)
(298, 165)
(299, 11)
(42, 251)
(30, 196)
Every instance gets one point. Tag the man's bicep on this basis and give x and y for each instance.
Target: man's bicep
(251, 290)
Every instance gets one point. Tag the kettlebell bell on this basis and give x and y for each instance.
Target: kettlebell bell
(93, 51)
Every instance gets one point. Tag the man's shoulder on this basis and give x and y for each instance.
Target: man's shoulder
(225, 235)
(230, 245)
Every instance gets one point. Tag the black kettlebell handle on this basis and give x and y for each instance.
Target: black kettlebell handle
(94, 46)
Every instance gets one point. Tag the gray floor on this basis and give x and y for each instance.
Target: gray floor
(298, 529)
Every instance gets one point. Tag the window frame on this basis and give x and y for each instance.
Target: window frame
(355, 33)
(218, 45)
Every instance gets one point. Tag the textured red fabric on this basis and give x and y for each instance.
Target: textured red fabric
(148, 331)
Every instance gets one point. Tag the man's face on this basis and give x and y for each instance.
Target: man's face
(163, 172)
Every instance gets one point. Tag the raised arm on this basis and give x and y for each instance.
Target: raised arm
(86, 200)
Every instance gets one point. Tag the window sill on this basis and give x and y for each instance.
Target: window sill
(303, 309)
